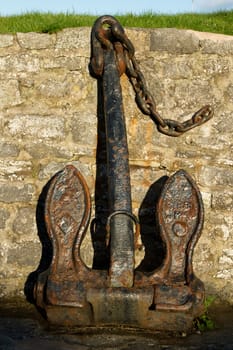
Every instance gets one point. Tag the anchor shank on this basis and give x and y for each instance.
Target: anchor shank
(119, 190)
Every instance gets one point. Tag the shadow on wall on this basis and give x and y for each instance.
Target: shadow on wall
(155, 249)
(150, 236)
(47, 250)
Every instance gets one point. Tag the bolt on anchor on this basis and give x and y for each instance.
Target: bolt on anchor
(114, 292)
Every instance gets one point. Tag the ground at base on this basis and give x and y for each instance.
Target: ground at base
(22, 328)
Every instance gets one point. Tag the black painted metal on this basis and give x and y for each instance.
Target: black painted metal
(119, 189)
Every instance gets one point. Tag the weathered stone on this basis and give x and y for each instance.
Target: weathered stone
(187, 153)
(225, 125)
(4, 215)
(49, 170)
(81, 91)
(230, 92)
(19, 63)
(210, 141)
(223, 219)
(215, 176)
(82, 123)
(75, 38)
(216, 43)
(36, 41)
(25, 221)
(54, 88)
(138, 191)
(84, 150)
(40, 150)
(222, 200)
(194, 93)
(27, 254)
(179, 69)
(15, 168)
(138, 36)
(72, 63)
(11, 193)
(6, 40)
(8, 149)
(207, 199)
(174, 41)
(41, 127)
(226, 264)
(216, 66)
(9, 93)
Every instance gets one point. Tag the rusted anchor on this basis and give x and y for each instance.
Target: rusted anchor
(113, 292)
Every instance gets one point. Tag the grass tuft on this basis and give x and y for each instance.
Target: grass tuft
(219, 22)
(204, 322)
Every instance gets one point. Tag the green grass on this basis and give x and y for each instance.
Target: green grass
(219, 22)
(204, 322)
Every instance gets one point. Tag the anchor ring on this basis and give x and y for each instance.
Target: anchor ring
(127, 213)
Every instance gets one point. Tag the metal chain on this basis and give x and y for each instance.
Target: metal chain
(114, 37)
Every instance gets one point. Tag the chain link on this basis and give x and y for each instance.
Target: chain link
(107, 33)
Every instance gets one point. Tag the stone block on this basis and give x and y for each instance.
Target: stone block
(4, 215)
(27, 254)
(14, 169)
(211, 43)
(12, 193)
(8, 149)
(194, 92)
(25, 221)
(178, 69)
(230, 92)
(74, 38)
(83, 129)
(41, 127)
(9, 93)
(207, 199)
(36, 41)
(225, 125)
(225, 270)
(215, 176)
(71, 63)
(54, 88)
(138, 36)
(216, 66)
(47, 171)
(6, 40)
(41, 150)
(222, 200)
(22, 62)
(174, 41)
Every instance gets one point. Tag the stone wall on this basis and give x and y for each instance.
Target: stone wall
(48, 119)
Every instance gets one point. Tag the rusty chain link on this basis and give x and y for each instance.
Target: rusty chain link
(107, 33)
